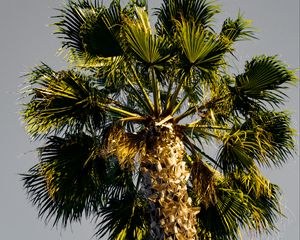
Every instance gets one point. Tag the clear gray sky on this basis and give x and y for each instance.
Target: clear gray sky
(25, 40)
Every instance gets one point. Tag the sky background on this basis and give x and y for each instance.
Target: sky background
(26, 40)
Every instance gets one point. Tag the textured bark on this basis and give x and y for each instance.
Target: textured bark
(165, 179)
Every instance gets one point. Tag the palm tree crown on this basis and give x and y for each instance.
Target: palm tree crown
(127, 127)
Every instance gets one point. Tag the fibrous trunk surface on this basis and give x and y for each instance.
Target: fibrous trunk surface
(165, 179)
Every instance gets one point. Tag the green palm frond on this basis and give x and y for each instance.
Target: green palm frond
(124, 218)
(201, 48)
(262, 81)
(146, 46)
(200, 12)
(237, 30)
(61, 100)
(220, 220)
(262, 208)
(69, 179)
(243, 201)
(265, 212)
(273, 137)
(82, 26)
(237, 151)
(109, 72)
(265, 138)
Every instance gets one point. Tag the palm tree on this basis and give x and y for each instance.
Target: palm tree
(128, 127)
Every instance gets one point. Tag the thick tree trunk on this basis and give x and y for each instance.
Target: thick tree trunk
(165, 179)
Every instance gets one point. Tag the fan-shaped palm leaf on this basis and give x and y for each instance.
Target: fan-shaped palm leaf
(69, 179)
(237, 151)
(262, 81)
(262, 207)
(273, 137)
(83, 25)
(125, 218)
(61, 100)
(243, 201)
(200, 47)
(265, 138)
(237, 30)
(200, 12)
(147, 47)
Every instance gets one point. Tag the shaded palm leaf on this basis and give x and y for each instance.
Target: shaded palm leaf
(220, 219)
(273, 137)
(69, 178)
(244, 201)
(90, 29)
(200, 12)
(119, 179)
(262, 208)
(262, 81)
(61, 100)
(124, 218)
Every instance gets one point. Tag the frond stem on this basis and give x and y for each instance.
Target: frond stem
(146, 96)
(195, 126)
(188, 112)
(156, 91)
(172, 99)
(194, 149)
(134, 119)
(119, 111)
(139, 97)
(179, 104)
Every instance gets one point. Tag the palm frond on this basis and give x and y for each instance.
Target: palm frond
(262, 81)
(119, 179)
(200, 12)
(243, 201)
(237, 30)
(220, 219)
(61, 100)
(124, 218)
(109, 72)
(201, 48)
(265, 138)
(262, 208)
(237, 151)
(68, 180)
(90, 30)
(146, 46)
(273, 136)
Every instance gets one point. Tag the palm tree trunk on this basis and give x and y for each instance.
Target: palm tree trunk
(165, 185)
